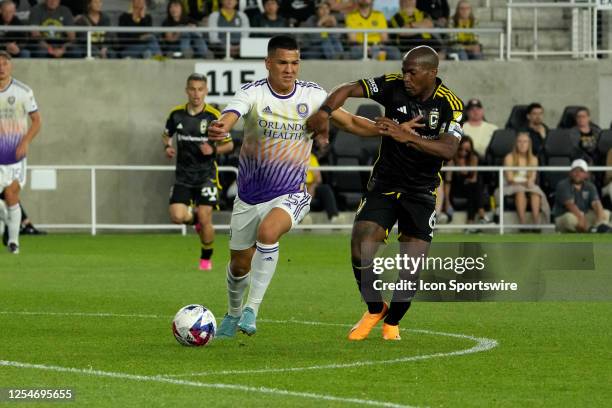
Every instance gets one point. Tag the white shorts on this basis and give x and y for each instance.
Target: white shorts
(246, 217)
(12, 172)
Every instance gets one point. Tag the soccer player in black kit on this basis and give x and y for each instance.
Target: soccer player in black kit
(423, 118)
(196, 186)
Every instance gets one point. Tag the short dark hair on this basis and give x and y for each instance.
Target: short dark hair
(284, 42)
(583, 109)
(533, 106)
(196, 77)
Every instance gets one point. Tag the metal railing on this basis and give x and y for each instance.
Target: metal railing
(584, 29)
(94, 225)
(89, 31)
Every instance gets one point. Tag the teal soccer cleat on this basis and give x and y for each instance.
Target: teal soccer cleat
(247, 322)
(227, 328)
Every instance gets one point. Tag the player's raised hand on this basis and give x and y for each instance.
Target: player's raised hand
(217, 130)
(404, 133)
(322, 140)
(318, 123)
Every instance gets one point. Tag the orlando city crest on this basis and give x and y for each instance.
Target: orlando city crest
(434, 118)
(302, 110)
(203, 126)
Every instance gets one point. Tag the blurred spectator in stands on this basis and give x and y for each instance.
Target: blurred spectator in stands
(409, 16)
(522, 183)
(32, 3)
(226, 17)
(100, 40)
(199, 10)
(341, 8)
(477, 127)
(464, 189)
(466, 45)
(536, 127)
(323, 45)
(297, 11)
(252, 8)
(13, 42)
(322, 194)
(437, 10)
(138, 45)
(269, 18)
(577, 204)
(589, 135)
(182, 45)
(52, 44)
(76, 7)
(367, 18)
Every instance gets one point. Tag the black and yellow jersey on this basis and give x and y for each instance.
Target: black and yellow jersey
(399, 167)
(193, 169)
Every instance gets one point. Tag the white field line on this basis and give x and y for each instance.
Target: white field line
(234, 387)
(162, 379)
(482, 344)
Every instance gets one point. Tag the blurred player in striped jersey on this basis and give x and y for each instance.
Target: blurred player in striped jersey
(274, 157)
(17, 105)
(195, 191)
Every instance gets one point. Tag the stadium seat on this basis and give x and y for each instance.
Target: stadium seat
(559, 148)
(518, 118)
(500, 145)
(349, 186)
(561, 142)
(369, 110)
(604, 144)
(369, 144)
(568, 117)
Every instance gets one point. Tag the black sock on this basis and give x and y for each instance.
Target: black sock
(207, 250)
(364, 276)
(396, 312)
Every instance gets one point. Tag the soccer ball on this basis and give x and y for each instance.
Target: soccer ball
(194, 325)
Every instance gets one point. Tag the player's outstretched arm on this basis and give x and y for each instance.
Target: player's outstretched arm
(444, 147)
(319, 121)
(357, 125)
(219, 129)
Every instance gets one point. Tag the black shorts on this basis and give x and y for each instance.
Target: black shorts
(208, 194)
(415, 213)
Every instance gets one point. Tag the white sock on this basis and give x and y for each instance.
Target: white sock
(263, 267)
(13, 223)
(236, 286)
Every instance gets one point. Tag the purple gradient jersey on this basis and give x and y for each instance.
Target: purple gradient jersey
(276, 148)
(16, 104)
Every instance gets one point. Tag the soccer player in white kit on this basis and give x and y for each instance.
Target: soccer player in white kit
(274, 157)
(17, 104)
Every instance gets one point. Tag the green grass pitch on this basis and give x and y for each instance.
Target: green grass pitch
(99, 312)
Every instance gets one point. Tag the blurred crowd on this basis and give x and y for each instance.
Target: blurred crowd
(352, 14)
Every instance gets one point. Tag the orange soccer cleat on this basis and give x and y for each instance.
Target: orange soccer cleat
(391, 332)
(364, 326)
